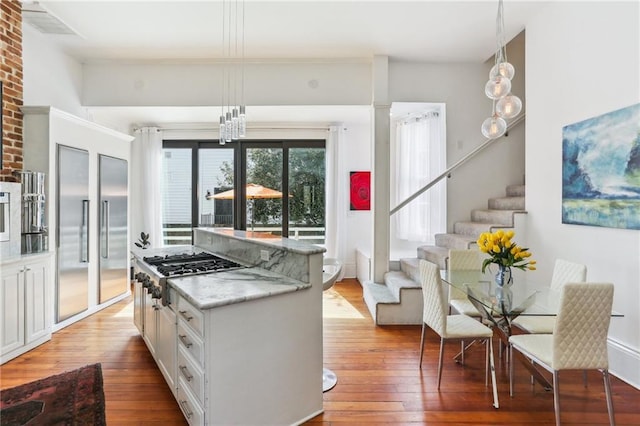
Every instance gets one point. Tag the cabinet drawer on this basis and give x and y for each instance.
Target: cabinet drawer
(192, 343)
(192, 316)
(191, 374)
(192, 411)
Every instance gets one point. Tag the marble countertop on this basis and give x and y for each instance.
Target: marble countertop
(267, 239)
(240, 285)
(25, 258)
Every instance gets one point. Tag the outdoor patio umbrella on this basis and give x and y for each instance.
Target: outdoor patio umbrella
(253, 191)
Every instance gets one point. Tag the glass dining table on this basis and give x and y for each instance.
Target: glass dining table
(499, 306)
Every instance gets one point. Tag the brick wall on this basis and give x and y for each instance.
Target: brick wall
(11, 77)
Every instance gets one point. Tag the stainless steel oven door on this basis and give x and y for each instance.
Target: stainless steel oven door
(5, 216)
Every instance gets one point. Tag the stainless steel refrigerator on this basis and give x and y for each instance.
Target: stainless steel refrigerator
(72, 281)
(113, 227)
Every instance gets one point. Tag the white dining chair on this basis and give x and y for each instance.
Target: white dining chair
(563, 272)
(451, 327)
(578, 341)
(463, 260)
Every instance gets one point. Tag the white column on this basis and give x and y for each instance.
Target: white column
(380, 170)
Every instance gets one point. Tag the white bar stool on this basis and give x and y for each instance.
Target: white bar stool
(331, 269)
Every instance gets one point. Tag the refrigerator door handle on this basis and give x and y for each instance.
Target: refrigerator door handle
(84, 233)
(105, 223)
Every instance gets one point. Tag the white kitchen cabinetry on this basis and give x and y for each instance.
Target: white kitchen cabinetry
(150, 324)
(12, 308)
(157, 325)
(138, 306)
(191, 356)
(25, 298)
(46, 131)
(167, 345)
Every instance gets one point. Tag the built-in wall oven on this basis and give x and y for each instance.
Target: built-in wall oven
(5, 216)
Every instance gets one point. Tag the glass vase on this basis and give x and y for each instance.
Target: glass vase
(503, 277)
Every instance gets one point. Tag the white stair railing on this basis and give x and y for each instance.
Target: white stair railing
(463, 160)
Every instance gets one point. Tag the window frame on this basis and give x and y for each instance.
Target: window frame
(239, 172)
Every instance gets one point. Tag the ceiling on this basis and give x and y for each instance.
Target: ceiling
(175, 31)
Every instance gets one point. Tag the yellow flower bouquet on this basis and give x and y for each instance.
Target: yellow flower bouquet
(502, 251)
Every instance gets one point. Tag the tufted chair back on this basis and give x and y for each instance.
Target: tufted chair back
(580, 333)
(434, 312)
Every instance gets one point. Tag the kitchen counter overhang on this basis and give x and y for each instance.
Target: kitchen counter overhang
(239, 285)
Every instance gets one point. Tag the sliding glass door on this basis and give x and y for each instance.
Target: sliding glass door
(268, 187)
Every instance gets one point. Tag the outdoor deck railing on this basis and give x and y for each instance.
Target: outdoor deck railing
(176, 234)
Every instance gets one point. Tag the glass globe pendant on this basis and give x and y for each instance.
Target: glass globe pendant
(504, 69)
(509, 106)
(497, 87)
(494, 127)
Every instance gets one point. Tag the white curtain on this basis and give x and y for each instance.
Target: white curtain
(146, 203)
(336, 196)
(420, 158)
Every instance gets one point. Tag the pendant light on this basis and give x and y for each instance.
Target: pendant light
(505, 104)
(233, 117)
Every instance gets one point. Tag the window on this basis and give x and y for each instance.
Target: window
(280, 187)
(176, 197)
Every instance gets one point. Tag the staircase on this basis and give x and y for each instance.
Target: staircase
(399, 299)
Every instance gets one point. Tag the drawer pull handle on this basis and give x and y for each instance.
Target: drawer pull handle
(185, 341)
(184, 314)
(186, 409)
(185, 373)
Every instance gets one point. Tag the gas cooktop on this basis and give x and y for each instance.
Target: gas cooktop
(190, 264)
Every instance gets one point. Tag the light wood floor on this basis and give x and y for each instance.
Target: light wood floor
(379, 381)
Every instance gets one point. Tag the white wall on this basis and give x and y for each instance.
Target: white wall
(582, 61)
(51, 77)
(461, 88)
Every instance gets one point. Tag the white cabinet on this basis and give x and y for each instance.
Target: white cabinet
(25, 298)
(149, 327)
(37, 301)
(157, 325)
(12, 303)
(138, 306)
(166, 350)
(191, 365)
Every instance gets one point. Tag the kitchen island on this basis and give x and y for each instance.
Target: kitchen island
(243, 346)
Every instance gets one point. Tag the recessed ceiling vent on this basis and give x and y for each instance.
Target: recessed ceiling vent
(43, 20)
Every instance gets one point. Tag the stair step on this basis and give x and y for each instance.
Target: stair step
(411, 267)
(507, 203)
(504, 217)
(474, 229)
(434, 254)
(516, 190)
(455, 241)
(386, 310)
(396, 281)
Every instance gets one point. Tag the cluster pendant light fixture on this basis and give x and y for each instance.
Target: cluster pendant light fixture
(233, 117)
(498, 88)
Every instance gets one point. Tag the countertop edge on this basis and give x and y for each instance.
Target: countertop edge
(25, 258)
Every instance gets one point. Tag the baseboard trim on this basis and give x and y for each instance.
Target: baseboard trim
(624, 362)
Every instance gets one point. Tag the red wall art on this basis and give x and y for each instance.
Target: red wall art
(360, 193)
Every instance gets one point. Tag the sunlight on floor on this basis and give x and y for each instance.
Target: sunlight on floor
(126, 311)
(336, 306)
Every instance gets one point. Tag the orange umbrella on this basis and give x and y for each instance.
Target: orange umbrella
(254, 192)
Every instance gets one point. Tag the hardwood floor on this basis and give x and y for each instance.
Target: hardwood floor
(379, 381)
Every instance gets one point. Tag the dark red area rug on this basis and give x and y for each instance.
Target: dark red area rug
(72, 398)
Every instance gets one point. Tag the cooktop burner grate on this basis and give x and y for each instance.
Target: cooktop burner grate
(190, 264)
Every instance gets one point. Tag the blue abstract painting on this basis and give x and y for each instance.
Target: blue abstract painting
(601, 170)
